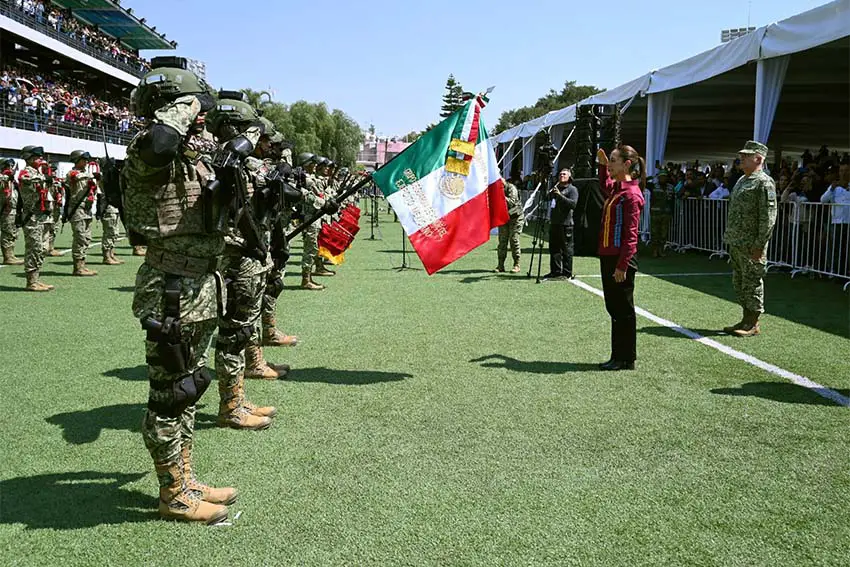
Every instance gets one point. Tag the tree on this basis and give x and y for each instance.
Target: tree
(412, 136)
(453, 99)
(553, 100)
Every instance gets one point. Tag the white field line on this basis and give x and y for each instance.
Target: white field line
(773, 369)
(63, 252)
(681, 275)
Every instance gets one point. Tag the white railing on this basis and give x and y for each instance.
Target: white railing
(808, 237)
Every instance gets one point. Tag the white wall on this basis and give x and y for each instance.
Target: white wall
(15, 139)
(66, 50)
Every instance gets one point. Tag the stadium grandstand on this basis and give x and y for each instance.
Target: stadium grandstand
(67, 68)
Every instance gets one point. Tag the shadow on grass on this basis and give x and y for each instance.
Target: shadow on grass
(85, 426)
(533, 366)
(74, 500)
(9, 288)
(133, 373)
(128, 288)
(784, 392)
(672, 333)
(344, 377)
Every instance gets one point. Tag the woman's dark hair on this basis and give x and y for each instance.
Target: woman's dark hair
(638, 168)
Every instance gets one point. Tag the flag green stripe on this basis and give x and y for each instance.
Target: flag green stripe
(426, 155)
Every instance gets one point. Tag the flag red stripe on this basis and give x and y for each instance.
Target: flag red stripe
(473, 132)
(467, 227)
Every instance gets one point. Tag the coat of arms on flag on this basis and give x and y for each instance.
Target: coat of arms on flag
(446, 188)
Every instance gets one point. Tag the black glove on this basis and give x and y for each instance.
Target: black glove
(330, 207)
(240, 145)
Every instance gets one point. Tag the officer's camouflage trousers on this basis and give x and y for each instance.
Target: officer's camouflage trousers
(51, 228)
(659, 229)
(165, 435)
(269, 301)
(245, 287)
(34, 243)
(310, 238)
(748, 278)
(8, 231)
(509, 234)
(110, 232)
(82, 238)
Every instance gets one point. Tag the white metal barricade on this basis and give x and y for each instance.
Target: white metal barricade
(699, 224)
(822, 240)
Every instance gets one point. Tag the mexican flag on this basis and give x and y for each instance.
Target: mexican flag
(446, 188)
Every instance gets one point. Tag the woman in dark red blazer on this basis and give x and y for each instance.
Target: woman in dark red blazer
(622, 178)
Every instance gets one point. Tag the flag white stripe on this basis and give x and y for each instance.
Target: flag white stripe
(421, 203)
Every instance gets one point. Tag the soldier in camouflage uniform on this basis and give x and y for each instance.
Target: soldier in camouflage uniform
(314, 201)
(8, 211)
(661, 205)
(752, 214)
(109, 222)
(511, 231)
(281, 158)
(237, 351)
(37, 207)
(80, 198)
(177, 295)
(324, 174)
(53, 223)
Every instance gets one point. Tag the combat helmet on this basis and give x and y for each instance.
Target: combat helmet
(77, 155)
(229, 112)
(168, 80)
(28, 152)
(305, 158)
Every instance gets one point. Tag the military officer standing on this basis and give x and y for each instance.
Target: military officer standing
(53, 223)
(8, 211)
(510, 232)
(661, 202)
(177, 287)
(79, 200)
(314, 201)
(752, 214)
(109, 222)
(37, 208)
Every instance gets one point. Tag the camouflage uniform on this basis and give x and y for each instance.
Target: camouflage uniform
(164, 205)
(53, 222)
(82, 192)
(8, 209)
(752, 214)
(110, 230)
(314, 200)
(246, 283)
(37, 204)
(511, 231)
(661, 205)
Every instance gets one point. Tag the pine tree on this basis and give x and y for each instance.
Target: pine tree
(453, 99)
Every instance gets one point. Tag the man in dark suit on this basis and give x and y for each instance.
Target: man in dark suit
(563, 198)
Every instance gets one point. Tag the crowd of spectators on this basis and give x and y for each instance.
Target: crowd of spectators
(46, 103)
(46, 13)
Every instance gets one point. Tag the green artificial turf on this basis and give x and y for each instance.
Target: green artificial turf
(457, 419)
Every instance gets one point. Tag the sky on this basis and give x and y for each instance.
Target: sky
(386, 63)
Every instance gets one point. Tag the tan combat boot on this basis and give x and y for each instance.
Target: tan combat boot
(140, 250)
(33, 284)
(9, 257)
(515, 269)
(259, 411)
(81, 270)
(321, 270)
(749, 326)
(226, 495)
(177, 502)
(257, 367)
(53, 252)
(232, 413)
(110, 260)
(307, 281)
(730, 330)
(273, 337)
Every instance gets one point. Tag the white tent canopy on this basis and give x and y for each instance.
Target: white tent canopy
(796, 95)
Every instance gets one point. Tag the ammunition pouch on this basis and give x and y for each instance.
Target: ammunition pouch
(183, 392)
(181, 265)
(233, 340)
(173, 353)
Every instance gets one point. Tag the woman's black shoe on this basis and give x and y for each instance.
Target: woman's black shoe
(617, 365)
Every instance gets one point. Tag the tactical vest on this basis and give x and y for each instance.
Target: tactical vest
(35, 192)
(9, 196)
(179, 203)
